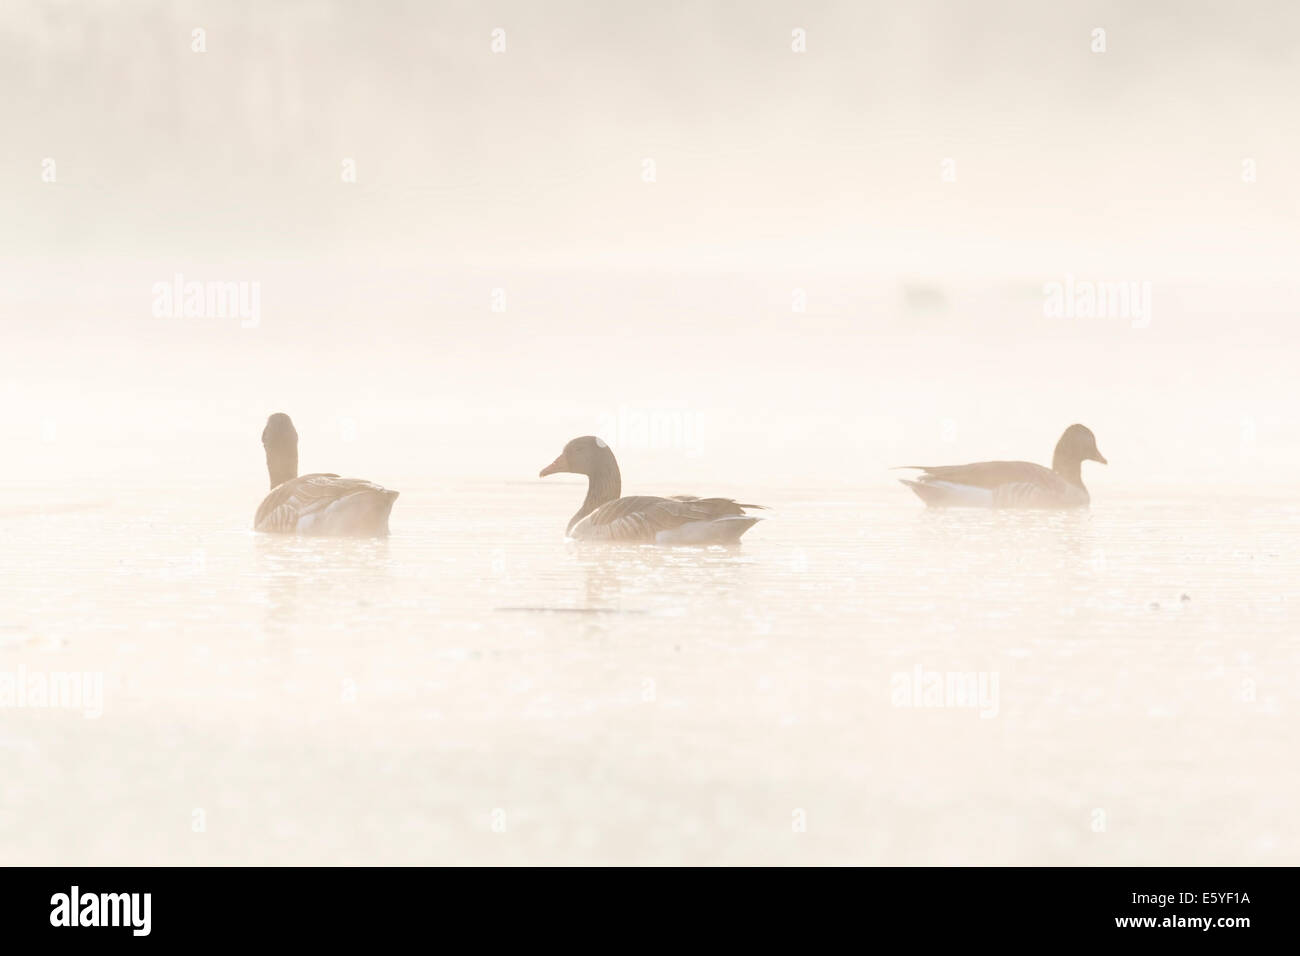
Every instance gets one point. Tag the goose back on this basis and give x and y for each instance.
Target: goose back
(326, 504)
(650, 519)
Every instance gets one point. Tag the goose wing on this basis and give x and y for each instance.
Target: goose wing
(641, 518)
(1012, 484)
(991, 474)
(296, 504)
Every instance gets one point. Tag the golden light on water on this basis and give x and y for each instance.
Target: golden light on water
(756, 271)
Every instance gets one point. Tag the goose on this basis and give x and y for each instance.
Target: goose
(319, 503)
(642, 519)
(1012, 484)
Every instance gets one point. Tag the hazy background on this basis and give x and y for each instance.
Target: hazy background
(780, 178)
(776, 171)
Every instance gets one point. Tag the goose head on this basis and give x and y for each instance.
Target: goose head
(587, 455)
(1077, 445)
(280, 439)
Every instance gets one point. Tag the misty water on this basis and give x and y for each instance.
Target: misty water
(758, 270)
(474, 688)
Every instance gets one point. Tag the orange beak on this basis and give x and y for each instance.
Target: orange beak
(560, 464)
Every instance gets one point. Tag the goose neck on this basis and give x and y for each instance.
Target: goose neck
(281, 466)
(604, 484)
(1068, 467)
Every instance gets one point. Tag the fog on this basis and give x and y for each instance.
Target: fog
(761, 248)
(515, 180)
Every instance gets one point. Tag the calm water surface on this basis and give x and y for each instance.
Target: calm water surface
(474, 689)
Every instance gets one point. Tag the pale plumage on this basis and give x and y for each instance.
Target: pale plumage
(317, 504)
(326, 504)
(642, 519)
(1013, 484)
(677, 520)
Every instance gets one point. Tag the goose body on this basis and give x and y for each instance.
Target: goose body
(642, 519)
(679, 520)
(1012, 484)
(317, 504)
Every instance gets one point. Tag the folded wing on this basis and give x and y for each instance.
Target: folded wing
(326, 504)
(682, 519)
(997, 484)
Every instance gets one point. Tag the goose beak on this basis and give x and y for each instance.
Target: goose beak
(560, 464)
(1101, 458)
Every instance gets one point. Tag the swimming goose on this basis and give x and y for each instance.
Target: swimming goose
(642, 519)
(1012, 484)
(319, 503)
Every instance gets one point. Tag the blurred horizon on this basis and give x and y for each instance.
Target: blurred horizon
(843, 252)
(766, 250)
(825, 159)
